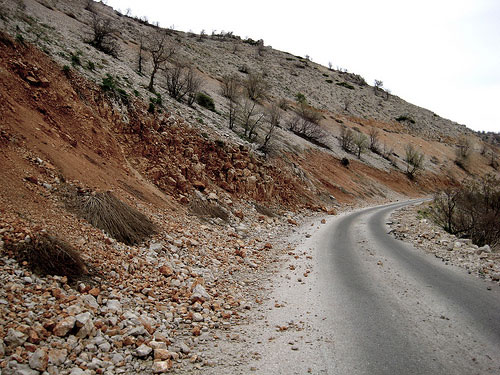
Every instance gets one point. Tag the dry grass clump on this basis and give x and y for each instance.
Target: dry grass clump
(263, 210)
(104, 211)
(200, 206)
(48, 255)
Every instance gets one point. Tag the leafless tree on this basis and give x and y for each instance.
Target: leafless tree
(330, 65)
(230, 88)
(306, 123)
(250, 117)
(141, 56)
(103, 38)
(360, 142)
(374, 134)
(273, 118)
(182, 82)
(414, 161)
(160, 51)
(346, 139)
(230, 85)
(256, 86)
(463, 152)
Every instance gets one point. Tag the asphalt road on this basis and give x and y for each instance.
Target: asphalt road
(353, 300)
(400, 311)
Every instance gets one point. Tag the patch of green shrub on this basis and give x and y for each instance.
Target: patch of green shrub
(205, 101)
(346, 85)
(405, 118)
(329, 81)
(75, 59)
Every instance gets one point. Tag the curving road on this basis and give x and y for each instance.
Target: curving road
(370, 305)
(399, 311)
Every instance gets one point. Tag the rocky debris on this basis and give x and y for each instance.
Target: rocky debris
(408, 224)
(148, 309)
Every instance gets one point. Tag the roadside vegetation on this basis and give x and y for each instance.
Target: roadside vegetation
(471, 210)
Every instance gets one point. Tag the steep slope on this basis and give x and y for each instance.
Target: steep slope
(74, 117)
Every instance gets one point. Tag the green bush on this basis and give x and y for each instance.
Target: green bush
(346, 85)
(329, 81)
(205, 101)
(405, 118)
(75, 59)
(66, 70)
(90, 66)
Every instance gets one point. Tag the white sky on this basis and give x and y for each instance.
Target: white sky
(443, 55)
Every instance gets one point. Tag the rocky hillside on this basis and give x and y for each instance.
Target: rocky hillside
(76, 120)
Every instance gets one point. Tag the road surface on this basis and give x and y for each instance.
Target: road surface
(371, 305)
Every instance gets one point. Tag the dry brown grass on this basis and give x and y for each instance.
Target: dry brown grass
(106, 212)
(48, 255)
(205, 208)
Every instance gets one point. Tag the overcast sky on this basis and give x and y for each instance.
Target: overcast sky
(443, 55)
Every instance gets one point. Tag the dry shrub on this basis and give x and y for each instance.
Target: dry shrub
(263, 210)
(200, 206)
(106, 212)
(471, 210)
(48, 255)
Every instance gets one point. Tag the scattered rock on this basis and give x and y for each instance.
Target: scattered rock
(143, 351)
(39, 359)
(64, 326)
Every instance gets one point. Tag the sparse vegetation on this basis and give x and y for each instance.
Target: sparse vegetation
(374, 135)
(250, 118)
(471, 210)
(103, 39)
(346, 85)
(346, 139)
(414, 161)
(463, 152)
(205, 208)
(205, 101)
(273, 118)
(230, 88)
(360, 143)
(256, 86)
(182, 82)
(48, 255)
(104, 211)
(305, 123)
(405, 118)
(160, 51)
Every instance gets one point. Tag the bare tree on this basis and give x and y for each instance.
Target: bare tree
(250, 117)
(103, 38)
(141, 56)
(256, 86)
(374, 133)
(182, 82)
(378, 86)
(274, 118)
(414, 161)
(330, 65)
(306, 123)
(360, 142)
(160, 51)
(346, 139)
(230, 88)
(463, 151)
